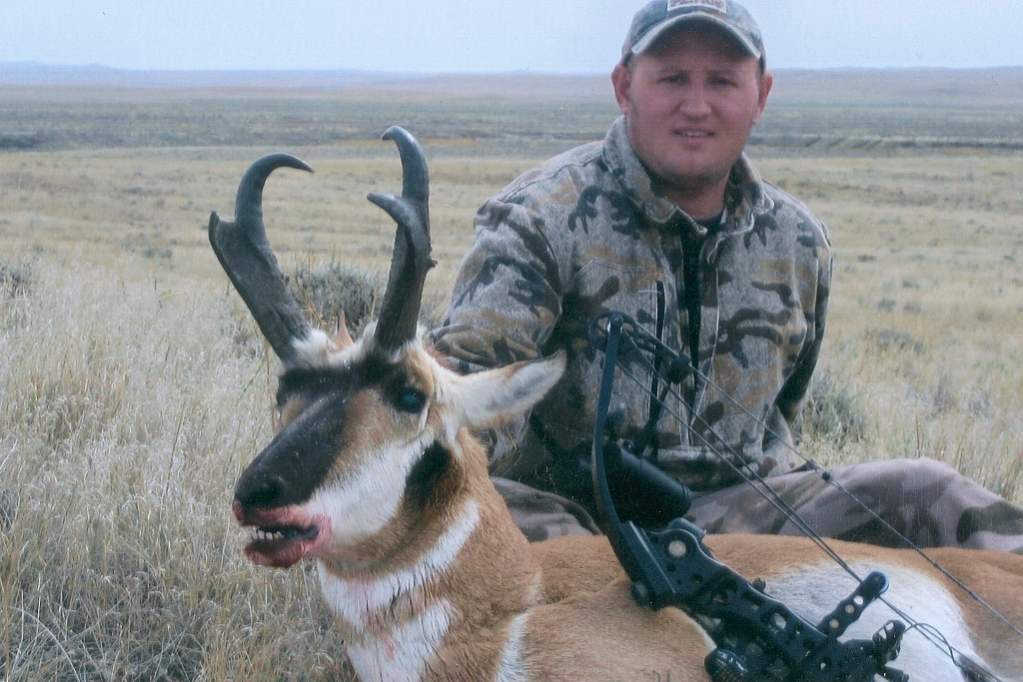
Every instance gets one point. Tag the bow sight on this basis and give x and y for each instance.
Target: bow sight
(757, 637)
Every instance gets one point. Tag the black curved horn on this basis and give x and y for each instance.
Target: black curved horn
(246, 256)
(411, 260)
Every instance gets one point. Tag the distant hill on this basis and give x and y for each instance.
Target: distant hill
(853, 87)
(811, 111)
(34, 74)
(912, 87)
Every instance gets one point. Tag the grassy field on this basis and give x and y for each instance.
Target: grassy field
(133, 387)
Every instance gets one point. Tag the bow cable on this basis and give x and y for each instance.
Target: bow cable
(826, 476)
(779, 503)
(650, 343)
(776, 500)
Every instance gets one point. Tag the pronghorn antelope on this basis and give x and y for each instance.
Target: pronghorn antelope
(375, 476)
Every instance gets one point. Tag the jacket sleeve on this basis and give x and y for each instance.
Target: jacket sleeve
(506, 300)
(794, 392)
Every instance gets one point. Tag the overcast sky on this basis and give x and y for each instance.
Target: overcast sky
(484, 35)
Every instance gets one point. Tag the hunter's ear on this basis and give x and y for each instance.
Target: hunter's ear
(496, 396)
(621, 81)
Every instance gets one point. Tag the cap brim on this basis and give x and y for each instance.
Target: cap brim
(651, 36)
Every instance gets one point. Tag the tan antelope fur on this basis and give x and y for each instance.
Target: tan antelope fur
(375, 475)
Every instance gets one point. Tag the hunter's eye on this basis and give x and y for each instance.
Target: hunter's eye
(411, 400)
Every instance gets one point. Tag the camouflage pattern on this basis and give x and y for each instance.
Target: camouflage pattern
(926, 501)
(658, 17)
(542, 515)
(590, 232)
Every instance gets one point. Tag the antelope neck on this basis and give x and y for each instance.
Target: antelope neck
(361, 602)
(397, 625)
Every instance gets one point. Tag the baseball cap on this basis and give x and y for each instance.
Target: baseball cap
(658, 16)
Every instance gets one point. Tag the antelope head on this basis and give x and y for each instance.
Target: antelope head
(372, 448)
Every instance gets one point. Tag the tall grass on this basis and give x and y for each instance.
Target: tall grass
(126, 413)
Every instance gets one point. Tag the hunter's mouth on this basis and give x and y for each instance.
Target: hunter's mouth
(693, 134)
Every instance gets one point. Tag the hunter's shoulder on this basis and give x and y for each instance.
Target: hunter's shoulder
(792, 215)
(559, 180)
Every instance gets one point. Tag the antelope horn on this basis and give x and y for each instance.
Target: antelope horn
(245, 254)
(399, 312)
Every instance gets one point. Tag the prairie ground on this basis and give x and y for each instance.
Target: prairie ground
(133, 387)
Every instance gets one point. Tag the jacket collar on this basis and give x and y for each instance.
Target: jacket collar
(745, 196)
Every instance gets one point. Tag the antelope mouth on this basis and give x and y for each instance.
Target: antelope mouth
(280, 546)
(280, 538)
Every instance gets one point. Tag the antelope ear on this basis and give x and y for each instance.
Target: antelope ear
(496, 396)
(342, 337)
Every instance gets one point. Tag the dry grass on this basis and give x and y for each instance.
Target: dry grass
(927, 307)
(127, 410)
(150, 207)
(133, 388)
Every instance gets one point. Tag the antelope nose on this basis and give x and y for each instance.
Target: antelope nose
(261, 490)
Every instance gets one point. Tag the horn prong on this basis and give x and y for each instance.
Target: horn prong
(415, 184)
(245, 254)
(400, 211)
(411, 260)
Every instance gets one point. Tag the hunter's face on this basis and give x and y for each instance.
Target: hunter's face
(691, 101)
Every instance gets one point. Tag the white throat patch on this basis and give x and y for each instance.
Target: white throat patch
(360, 602)
(403, 653)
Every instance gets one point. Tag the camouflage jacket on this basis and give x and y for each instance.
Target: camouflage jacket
(590, 232)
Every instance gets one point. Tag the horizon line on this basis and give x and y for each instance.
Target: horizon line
(419, 73)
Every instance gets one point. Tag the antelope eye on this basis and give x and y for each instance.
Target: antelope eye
(303, 382)
(411, 400)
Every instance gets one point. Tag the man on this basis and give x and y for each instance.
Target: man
(667, 220)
